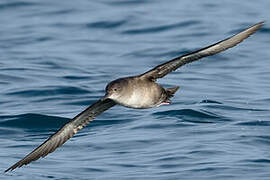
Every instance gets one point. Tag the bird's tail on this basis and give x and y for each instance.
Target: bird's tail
(171, 91)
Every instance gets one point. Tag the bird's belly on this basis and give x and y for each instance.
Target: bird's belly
(138, 100)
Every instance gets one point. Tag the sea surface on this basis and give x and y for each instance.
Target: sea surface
(56, 58)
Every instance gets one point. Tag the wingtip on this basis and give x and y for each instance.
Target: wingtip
(259, 24)
(11, 168)
(14, 166)
(256, 26)
(252, 29)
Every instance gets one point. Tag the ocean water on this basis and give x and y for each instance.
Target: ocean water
(56, 58)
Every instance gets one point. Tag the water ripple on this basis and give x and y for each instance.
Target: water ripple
(52, 91)
(14, 5)
(191, 115)
(185, 24)
(57, 56)
(106, 24)
(33, 121)
(254, 123)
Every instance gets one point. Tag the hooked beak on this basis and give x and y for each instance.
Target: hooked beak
(107, 96)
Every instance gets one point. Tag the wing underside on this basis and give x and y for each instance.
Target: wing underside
(65, 132)
(163, 69)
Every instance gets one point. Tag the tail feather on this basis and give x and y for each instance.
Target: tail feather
(171, 91)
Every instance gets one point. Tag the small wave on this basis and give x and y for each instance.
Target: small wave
(255, 140)
(254, 123)
(160, 28)
(13, 5)
(221, 106)
(8, 78)
(126, 3)
(264, 29)
(209, 101)
(91, 170)
(190, 115)
(106, 24)
(76, 77)
(264, 161)
(45, 122)
(60, 12)
(33, 121)
(52, 90)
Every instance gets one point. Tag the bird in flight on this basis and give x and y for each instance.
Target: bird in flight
(137, 92)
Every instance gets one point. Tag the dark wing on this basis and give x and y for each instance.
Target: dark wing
(66, 132)
(163, 69)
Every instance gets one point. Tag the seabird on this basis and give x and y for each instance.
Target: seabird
(138, 92)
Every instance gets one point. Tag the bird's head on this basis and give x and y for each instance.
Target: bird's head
(114, 90)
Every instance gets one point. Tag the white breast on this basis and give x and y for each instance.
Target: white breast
(137, 99)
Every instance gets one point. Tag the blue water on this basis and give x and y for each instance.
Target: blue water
(57, 56)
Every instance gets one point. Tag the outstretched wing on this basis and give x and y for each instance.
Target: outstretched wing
(66, 132)
(163, 69)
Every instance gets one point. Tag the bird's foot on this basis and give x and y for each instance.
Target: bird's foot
(167, 102)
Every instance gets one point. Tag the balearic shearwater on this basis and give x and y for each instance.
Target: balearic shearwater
(138, 92)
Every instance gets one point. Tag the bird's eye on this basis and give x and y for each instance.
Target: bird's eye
(115, 89)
